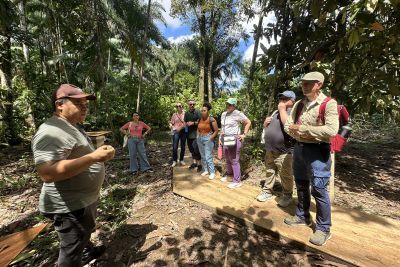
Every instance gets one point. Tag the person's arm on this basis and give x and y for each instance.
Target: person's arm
(148, 129)
(289, 124)
(282, 109)
(247, 125)
(267, 121)
(172, 121)
(215, 130)
(67, 168)
(125, 128)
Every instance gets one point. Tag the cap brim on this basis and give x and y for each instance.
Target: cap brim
(87, 96)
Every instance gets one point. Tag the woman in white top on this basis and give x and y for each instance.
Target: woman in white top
(231, 122)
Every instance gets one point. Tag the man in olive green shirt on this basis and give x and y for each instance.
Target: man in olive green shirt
(72, 171)
(311, 155)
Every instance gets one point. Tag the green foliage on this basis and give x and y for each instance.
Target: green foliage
(354, 43)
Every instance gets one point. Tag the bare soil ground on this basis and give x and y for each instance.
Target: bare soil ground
(143, 223)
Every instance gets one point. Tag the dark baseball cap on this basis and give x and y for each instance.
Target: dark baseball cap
(71, 91)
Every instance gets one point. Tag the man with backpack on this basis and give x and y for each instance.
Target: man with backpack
(311, 155)
(278, 151)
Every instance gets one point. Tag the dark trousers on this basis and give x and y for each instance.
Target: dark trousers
(193, 148)
(74, 230)
(176, 138)
(312, 166)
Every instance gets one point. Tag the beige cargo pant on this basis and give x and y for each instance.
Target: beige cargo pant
(279, 166)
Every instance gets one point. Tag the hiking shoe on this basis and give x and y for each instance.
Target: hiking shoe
(204, 173)
(182, 163)
(319, 238)
(212, 176)
(294, 220)
(234, 185)
(91, 253)
(149, 171)
(199, 168)
(264, 196)
(135, 173)
(192, 166)
(285, 201)
(173, 164)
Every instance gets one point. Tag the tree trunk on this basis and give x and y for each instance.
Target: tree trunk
(23, 24)
(142, 57)
(209, 76)
(256, 43)
(202, 55)
(7, 103)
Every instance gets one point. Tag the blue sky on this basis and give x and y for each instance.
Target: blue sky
(176, 32)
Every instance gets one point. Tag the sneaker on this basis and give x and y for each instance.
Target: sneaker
(192, 166)
(182, 163)
(212, 176)
(199, 168)
(204, 173)
(264, 196)
(319, 238)
(224, 177)
(173, 164)
(135, 173)
(285, 201)
(149, 171)
(294, 220)
(91, 253)
(234, 185)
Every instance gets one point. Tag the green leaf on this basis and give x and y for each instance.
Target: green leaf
(315, 8)
(354, 38)
(23, 256)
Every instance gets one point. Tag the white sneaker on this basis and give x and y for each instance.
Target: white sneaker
(204, 173)
(173, 164)
(212, 176)
(234, 185)
(182, 163)
(224, 179)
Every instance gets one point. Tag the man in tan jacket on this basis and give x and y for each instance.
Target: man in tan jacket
(311, 156)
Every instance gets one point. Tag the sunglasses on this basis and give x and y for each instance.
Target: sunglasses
(178, 106)
(192, 104)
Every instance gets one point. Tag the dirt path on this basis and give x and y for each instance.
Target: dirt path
(143, 223)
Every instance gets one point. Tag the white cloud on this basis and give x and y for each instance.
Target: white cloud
(171, 22)
(182, 38)
(248, 54)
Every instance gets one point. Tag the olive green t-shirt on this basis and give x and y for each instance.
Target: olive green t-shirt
(55, 140)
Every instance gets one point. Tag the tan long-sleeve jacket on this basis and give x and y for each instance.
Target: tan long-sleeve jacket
(311, 130)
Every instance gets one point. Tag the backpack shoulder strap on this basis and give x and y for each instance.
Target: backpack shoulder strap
(299, 108)
(211, 123)
(322, 108)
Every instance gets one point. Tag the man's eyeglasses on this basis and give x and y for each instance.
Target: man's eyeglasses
(191, 104)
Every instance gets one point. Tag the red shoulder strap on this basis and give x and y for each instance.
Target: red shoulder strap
(322, 108)
(299, 108)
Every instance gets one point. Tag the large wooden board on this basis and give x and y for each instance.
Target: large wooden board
(358, 238)
(11, 245)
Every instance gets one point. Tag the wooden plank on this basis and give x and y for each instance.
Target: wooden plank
(11, 245)
(357, 238)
